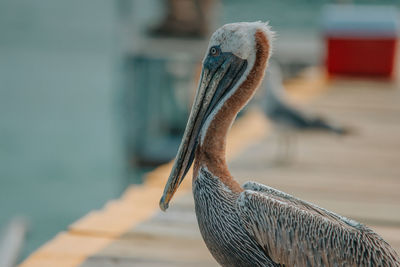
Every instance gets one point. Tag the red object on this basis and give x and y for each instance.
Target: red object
(361, 56)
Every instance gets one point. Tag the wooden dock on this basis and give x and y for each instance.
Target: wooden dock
(357, 176)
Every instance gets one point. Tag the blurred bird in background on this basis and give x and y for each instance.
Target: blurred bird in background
(287, 120)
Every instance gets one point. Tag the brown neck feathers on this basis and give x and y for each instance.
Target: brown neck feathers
(212, 152)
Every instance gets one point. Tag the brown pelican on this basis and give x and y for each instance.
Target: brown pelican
(255, 225)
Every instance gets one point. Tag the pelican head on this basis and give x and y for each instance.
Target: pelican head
(229, 61)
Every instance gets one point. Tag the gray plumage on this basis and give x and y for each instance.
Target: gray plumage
(286, 116)
(265, 227)
(219, 222)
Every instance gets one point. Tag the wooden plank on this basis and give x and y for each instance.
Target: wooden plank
(361, 94)
(169, 249)
(173, 252)
(66, 250)
(136, 205)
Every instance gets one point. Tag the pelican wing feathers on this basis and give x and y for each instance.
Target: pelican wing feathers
(293, 232)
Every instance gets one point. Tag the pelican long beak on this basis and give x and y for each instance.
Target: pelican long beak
(219, 75)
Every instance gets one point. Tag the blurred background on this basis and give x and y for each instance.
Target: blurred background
(95, 93)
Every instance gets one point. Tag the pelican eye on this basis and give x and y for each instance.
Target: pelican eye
(214, 51)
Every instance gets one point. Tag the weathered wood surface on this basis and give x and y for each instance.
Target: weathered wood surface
(357, 176)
